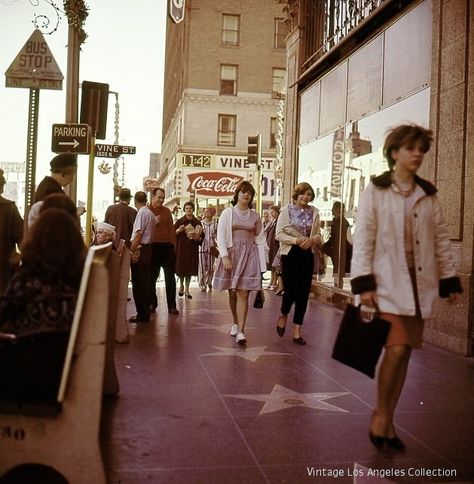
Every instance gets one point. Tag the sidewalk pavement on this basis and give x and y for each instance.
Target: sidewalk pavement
(196, 408)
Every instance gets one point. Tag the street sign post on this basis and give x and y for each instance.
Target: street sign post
(113, 151)
(35, 68)
(71, 138)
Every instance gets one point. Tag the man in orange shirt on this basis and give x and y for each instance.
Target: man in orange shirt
(163, 251)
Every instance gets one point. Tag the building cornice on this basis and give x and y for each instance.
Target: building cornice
(230, 100)
(290, 10)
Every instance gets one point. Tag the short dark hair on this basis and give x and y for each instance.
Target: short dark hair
(276, 208)
(156, 189)
(140, 197)
(301, 188)
(406, 135)
(244, 186)
(190, 204)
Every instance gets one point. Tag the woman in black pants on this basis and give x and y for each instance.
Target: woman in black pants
(298, 231)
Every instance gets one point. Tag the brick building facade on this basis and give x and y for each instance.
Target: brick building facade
(224, 71)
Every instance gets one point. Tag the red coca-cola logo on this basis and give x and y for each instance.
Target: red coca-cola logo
(213, 183)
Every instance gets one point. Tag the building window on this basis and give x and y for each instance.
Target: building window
(278, 84)
(273, 130)
(230, 29)
(226, 132)
(280, 34)
(228, 80)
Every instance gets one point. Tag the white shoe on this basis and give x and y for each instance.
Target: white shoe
(240, 338)
(234, 330)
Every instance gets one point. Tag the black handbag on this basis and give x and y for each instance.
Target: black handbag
(259, 299)
(359, 343)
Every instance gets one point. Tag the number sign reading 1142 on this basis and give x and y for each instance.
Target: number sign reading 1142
(202, 161)
(113, 151)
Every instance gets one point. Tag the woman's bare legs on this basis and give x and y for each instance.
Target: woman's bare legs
(233, 305)
(187, 282)
(242, 308)
(390, 381)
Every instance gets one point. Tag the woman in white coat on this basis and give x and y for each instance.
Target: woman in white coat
(241, 242)
(401, 262)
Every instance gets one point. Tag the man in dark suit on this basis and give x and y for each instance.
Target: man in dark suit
(11, 232)
(63, 169)
(122, 216)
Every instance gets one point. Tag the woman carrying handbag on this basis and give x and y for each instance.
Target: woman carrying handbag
(401, 262)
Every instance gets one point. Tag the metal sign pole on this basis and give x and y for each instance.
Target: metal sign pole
(90, 190)
(259, 174)
(31, 142)
(72, 91)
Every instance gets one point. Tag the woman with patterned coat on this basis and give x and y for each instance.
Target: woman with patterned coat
(208, 249)
(189, 236)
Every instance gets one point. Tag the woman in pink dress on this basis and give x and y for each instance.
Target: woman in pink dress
(241, 242)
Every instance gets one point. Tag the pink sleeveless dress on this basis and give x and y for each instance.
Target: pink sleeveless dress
(245, 273)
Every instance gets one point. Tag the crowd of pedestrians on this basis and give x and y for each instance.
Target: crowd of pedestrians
(400, 259)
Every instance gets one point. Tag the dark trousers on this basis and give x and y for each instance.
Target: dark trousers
(297, 275)
(163, 256)
(141, 282)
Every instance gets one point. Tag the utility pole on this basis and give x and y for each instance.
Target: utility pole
(76, 13)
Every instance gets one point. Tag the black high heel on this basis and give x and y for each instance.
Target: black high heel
(188, 296)
(395, 443)
(280, 329)
(376, 440)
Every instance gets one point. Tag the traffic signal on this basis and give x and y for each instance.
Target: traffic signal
(254, 149)
(94, 103)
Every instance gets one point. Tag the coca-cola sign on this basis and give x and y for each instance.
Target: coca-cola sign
(213, 183)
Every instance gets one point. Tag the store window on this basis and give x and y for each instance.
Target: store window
(280, 34)
(228, 80)
(273, 130)
(278, 83)
(226, 130)
(230, 29)
(339, 165)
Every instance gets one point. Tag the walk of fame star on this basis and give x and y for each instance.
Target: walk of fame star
(282, 397)
(251, 353)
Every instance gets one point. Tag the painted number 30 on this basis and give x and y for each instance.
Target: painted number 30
(9, 433)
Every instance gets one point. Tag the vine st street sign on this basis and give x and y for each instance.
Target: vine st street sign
(34, 66)
(113, 151)
(71, 138)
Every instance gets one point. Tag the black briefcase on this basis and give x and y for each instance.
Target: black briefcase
(259, 299)
(359, 343)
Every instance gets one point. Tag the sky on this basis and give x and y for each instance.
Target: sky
(125, 48)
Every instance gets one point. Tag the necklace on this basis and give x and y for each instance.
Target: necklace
(405, 188)
(244, 215)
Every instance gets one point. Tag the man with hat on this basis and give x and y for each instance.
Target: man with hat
(122, 216)
(63, 169)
